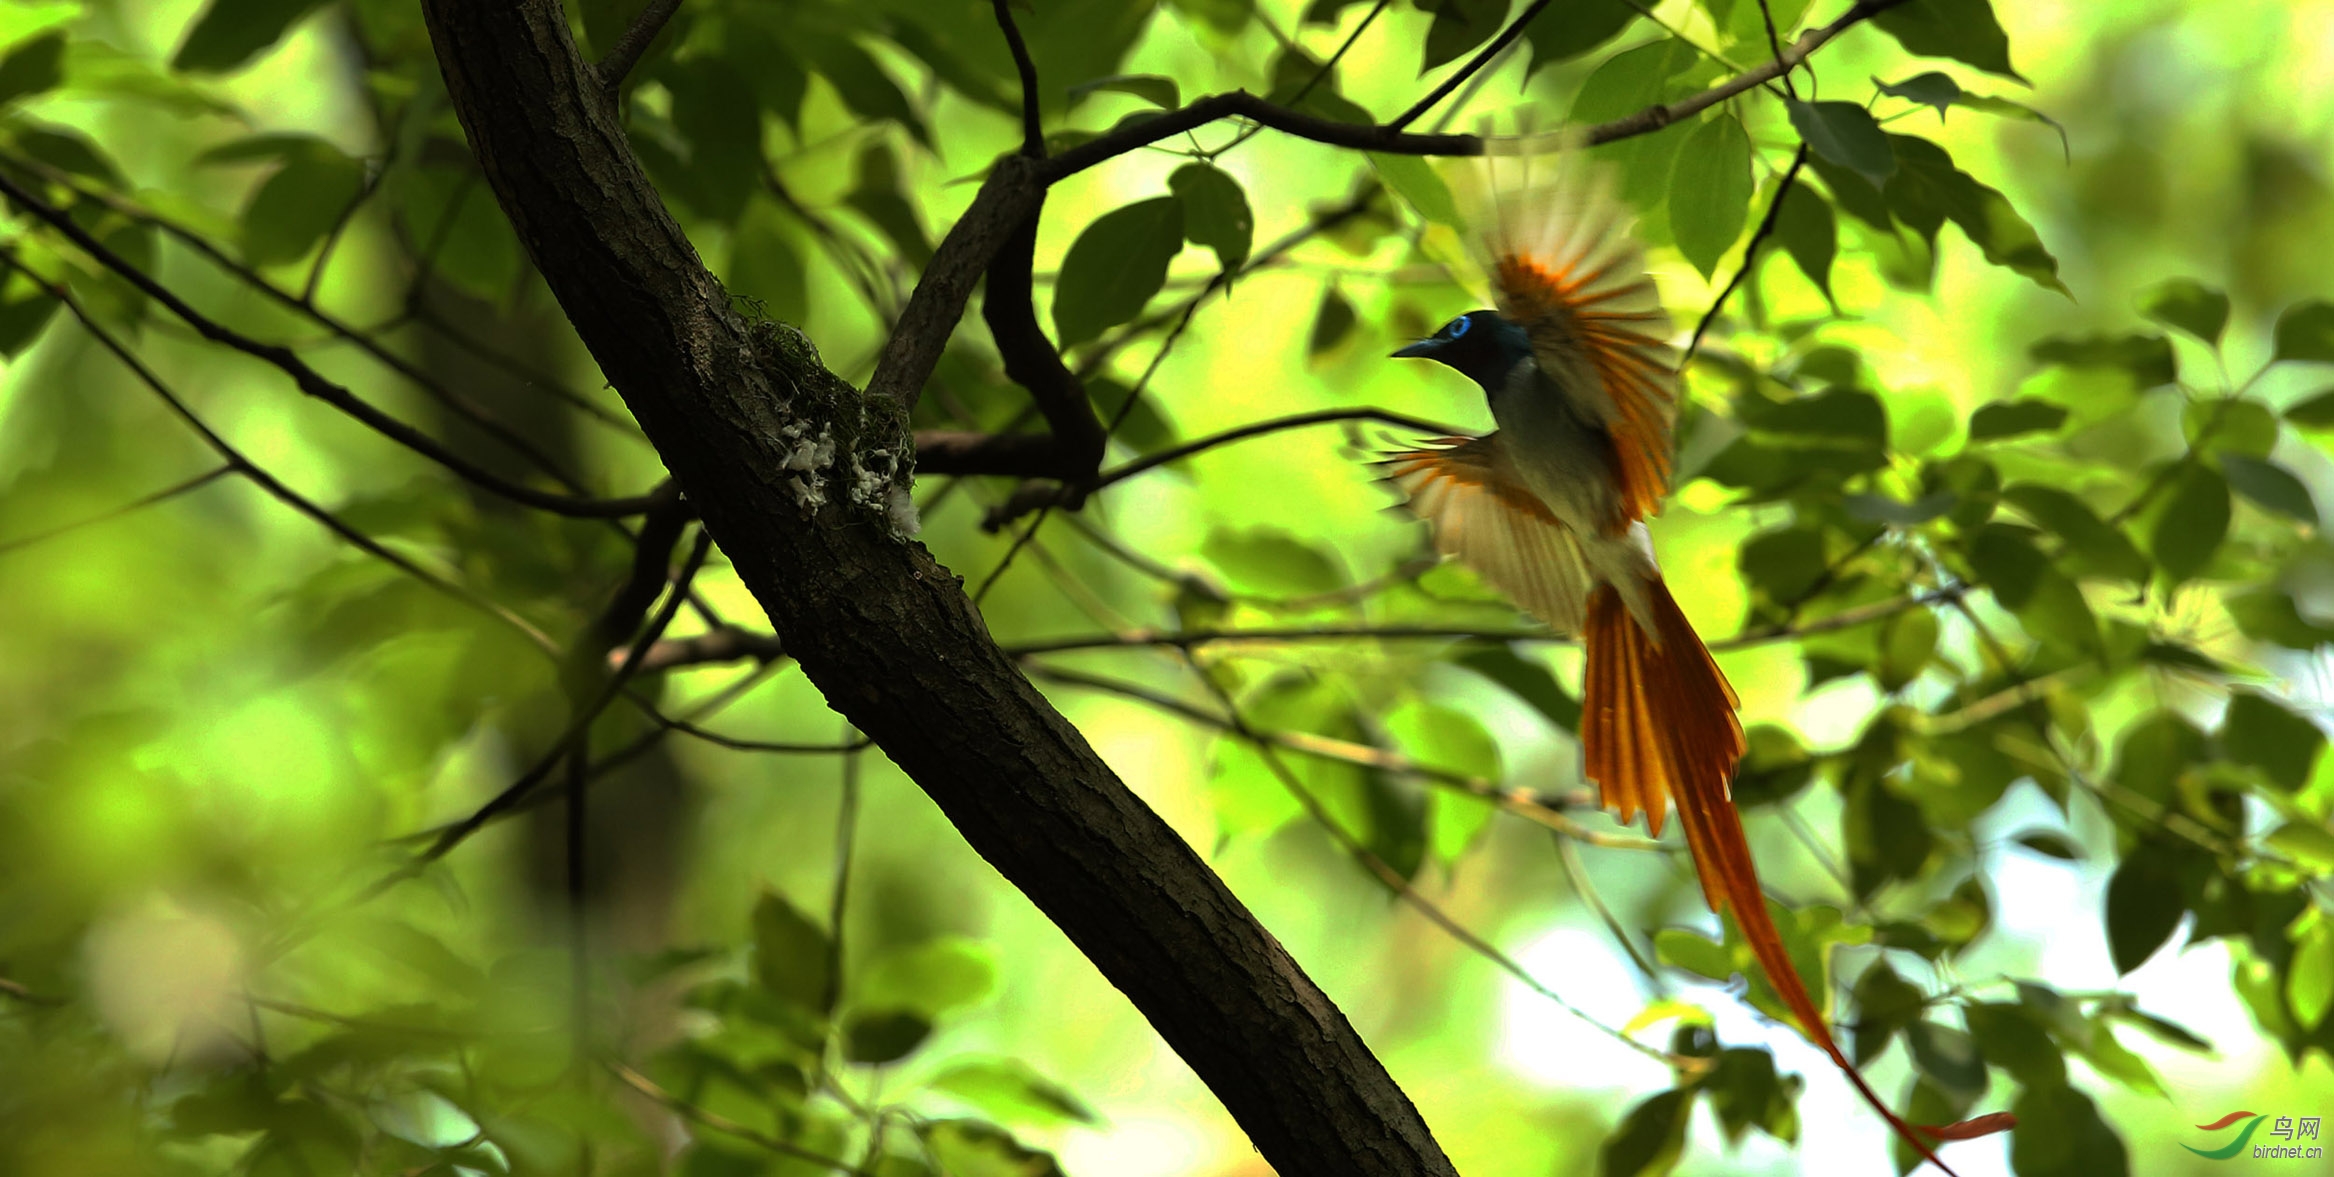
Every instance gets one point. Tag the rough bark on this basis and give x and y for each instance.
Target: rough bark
(881, 628)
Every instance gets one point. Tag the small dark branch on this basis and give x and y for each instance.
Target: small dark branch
(1028, 455)
(1241, 104)
(17, 992)
(652, 563)
(724, 1125)
(1032, 129)
(715, 646)
(579, 961)
(1750, 256)
(846, 840)
(1659, 115)
(569, 742)
(140, 503)
(312, 382)
(1007, 200)
(1030, 498)
(1031, 361)
(1320, 75)
(269, 483)
(629, 48)
(1775, 45)
(454, 402)
(1476, 64)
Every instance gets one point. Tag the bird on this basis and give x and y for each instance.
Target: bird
(1550, 508)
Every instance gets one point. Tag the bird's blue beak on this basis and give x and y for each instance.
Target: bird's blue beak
(1423, 349)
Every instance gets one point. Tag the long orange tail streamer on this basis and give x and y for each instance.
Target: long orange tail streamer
(1658, 724)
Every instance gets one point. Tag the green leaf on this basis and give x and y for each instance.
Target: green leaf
(1332, 323)
(2309, 843)
(1963, 30)
(1115, 266)
(2158, 1028)
(292, 210)
(860, 82)
(1782, 564)
(1931, 89)
(1928, 190)
(1140, 425)
(969, 1148)
(1650, 1137)
(883, 1036)
(2153, 753)
(2147, 357)
(1223, 17)
(1709, 195)
(2194, 521)
(2309, 979)
(1409, 177)
(2269, 615)
(2010, 1037)
(790, 954)
(1855, 195)
(1746, 1092)
(1270, 560)
(2314, 412)
(1949, 1057)
(2060, 1134)
(1885, 1004)
(931, 978)
(1155, 89)
(2185, 304)
(2052, 845)
(765, 262)
(1459, 26)
(232, 32)
(1215, 212)
(1907, 641)
(2306, 332)
(2046, 603)
(715, 110)
(34, 67)
(1530, 681)
(1011, 1092)
(1585, 25)
(1939, 91)
(2012, 418)
(2144, 906)
(2095, 548)
(877, 196)
(1775, 766)
(2270, 486)
(1807, 231)
(1845, 134)
(1693, 952)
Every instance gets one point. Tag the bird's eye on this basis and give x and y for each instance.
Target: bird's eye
(1457, 327)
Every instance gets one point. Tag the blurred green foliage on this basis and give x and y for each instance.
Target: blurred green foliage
(2013, 529)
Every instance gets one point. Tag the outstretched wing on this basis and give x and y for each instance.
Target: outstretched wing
(1481, 513)
(1566, 267)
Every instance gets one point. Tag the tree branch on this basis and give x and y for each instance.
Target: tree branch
(312, 382)
(876, 624)
(629, 48)
(1498, 45)
(1032, 128)
(1750, 255)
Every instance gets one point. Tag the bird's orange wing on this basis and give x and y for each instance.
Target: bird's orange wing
(1566, 267)
(1479, 511)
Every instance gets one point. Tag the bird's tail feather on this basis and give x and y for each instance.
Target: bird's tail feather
(1658, 724)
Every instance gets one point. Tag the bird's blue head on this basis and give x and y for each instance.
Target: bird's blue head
(1480, 344)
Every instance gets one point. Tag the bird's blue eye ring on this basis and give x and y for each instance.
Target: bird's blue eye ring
(1457, 328)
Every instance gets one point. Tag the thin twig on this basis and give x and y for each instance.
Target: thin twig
(846, 838)
(269, 483)
(309, 380)
(1393, 881)
(1032, 127)
(629, 48)
(573, 739)
(719, 1123)
(167, 493)
(1498, 45)
(1750, 255)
